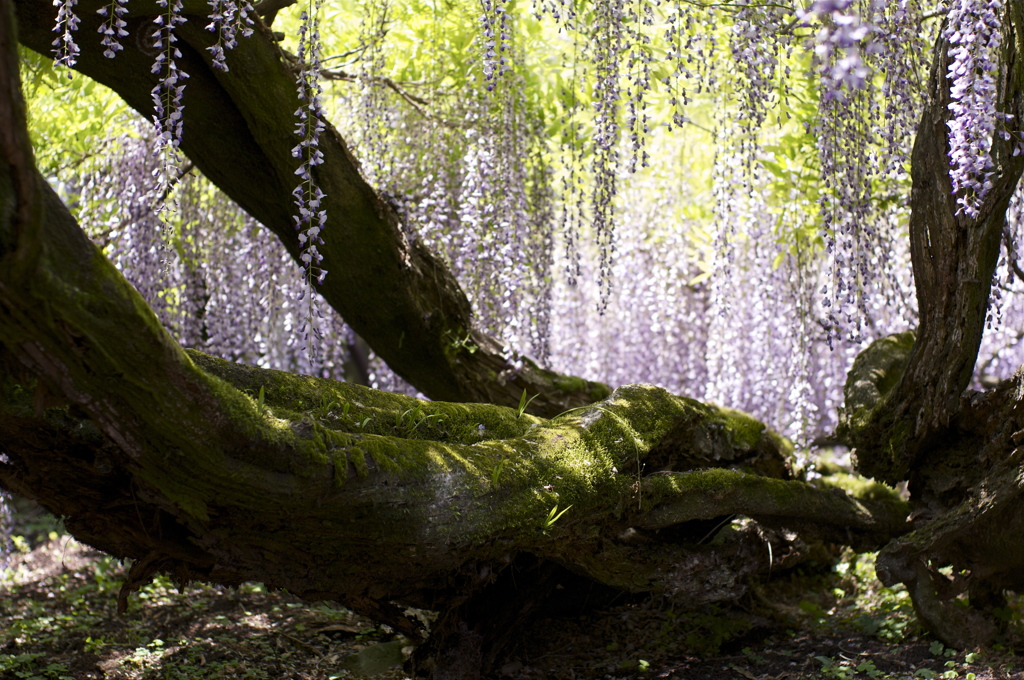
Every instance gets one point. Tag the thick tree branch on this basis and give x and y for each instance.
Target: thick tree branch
(210, 470)
(238, 131)
(907, 409)
(224, 472)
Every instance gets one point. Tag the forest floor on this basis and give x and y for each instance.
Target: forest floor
(58, 602)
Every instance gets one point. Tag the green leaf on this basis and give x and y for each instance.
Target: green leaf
(524, 402)
(554, 516)
(700, 278)
(496, 475)
(776, 169)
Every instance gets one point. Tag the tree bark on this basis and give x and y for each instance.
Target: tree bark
(209, 470)
(907, 412)
(954, 258)
(238, 127)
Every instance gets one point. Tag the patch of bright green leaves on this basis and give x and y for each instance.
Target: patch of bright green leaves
(32, 667)
(63, 135)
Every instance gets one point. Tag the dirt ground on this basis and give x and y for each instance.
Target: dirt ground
(58, 620)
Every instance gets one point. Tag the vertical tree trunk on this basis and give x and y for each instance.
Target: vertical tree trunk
(954, 259)
(907, 412)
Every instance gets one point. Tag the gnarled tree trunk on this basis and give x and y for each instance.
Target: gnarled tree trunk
(209, 470)
(908, 412)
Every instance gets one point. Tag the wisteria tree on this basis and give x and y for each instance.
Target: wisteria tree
(194, 422)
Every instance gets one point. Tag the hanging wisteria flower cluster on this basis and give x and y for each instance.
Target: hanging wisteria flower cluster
(840, 43)
(863, 135)
(376, 118)
(900, 58)
(638, 80)
(153, 259)
(606, 47)
(573, 192)
(974, 36)
(494, 22)
(66, 52)
(1002, 346)
(113, 27)
(311, 218)
(697, 338)
(226, 285)
(758, 301)
(228, 20)
(493, 202)
(756, 43)
(168, 94)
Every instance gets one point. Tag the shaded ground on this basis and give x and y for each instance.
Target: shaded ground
(58, 620)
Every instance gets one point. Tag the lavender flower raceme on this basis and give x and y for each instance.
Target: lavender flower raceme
(839, 43)
(113, 27)
(66, 52)
(494, 22)
(607, 47)
(739, 305)
(311, 218)
(167, 95)
(228, 20)
(973, 33)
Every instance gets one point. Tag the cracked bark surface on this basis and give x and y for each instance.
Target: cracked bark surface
(908, 412)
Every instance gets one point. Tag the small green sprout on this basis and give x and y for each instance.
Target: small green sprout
(410, 419)
(327, 404)
(496, 474)
(554, 516)
(260, 398)
(523, 403)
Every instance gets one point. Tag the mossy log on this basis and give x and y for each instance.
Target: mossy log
(372, 499)
(209, 470)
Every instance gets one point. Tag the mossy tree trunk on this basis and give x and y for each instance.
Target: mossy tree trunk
(238, 130)
(209, 470)
(212, 471)
(908, 412)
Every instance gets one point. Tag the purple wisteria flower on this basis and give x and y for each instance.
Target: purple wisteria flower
(113, 27)
(311, 217)
(66, 52)
(228, 20)
(495, 35)
(840, 43)
(974, 36)
(167, 95)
